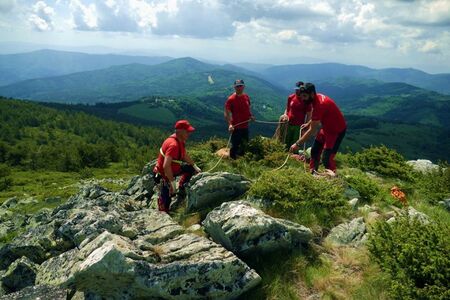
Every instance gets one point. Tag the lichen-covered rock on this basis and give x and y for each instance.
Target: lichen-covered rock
(38, 292)
(353, 233)
(113, 267)
(210, 189)
(422, 165)
(10, 203)
(20, 274)
(37, 244)
(412, 213)
(244, 230)
(141, 187)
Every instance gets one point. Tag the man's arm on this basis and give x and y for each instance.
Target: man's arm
(189, 160)
(167, 166)
(312, 130)
(227, 115)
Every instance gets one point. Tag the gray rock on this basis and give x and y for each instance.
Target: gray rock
(210, 189)
(37, 244)
(353, 203)
(10, 203)
(412, 213)
(423, 165)
(245, 230)
(141, 187)
(20, 274)
(351, 193)
(38, 292)
(111, 266)
(43, 216)
(353, 233)
(445, 204)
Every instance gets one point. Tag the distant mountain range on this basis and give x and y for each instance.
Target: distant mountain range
(46, 63)
(287, 75)
(179, 77)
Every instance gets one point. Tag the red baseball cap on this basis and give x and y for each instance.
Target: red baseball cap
(184, 124)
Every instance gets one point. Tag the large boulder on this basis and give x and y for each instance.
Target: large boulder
(245, 230)
(188, 267)
(20, 274)
(210, 189)
(422, 165)
(353, 233)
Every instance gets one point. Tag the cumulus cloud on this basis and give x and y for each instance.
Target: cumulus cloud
(41, 16)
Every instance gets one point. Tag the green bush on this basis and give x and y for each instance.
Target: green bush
(368, 188)
(294, 193)
(5, 181)
(384, 161)
(434, 186)
(415, 255)
(259, 148)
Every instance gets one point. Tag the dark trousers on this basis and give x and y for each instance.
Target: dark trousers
(164, 199)
(239, 140)
(331, 143)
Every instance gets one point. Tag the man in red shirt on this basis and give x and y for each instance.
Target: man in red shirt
(295, 112)
(237, 113)
(173, 161)
(330, 136)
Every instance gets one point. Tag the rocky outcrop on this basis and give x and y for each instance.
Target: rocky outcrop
(38, 292)
(422, 165)
(245, 230)
(445, 204)
(103, 243)
(353, 233)
(210, 189)
(184, 267)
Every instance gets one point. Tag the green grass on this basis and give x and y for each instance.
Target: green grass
(44, 184)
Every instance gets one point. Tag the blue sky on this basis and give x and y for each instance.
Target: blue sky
(384, 33)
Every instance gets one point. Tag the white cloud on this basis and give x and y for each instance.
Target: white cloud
(430, 47)
(41, 16)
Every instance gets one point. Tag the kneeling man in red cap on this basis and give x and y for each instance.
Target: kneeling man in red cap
(173, 161)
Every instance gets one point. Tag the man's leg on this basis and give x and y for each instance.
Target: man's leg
(164, 197)
(332, 145)
(316, 151)
(244, 141)
(235, 142)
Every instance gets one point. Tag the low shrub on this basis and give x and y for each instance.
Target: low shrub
(294, 193)
(384, 161)
(368, 188)
(260, 148)
(415, 255)
(434, 186)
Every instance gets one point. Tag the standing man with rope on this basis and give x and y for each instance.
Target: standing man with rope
(330, 136)
(295, 112)
(237, 114)
(173, 161)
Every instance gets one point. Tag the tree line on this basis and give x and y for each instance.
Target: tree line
(36, 137)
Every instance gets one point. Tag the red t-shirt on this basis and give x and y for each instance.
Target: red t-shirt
(173, 148)
(296, 110)
(239, 105)
(327, 112)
